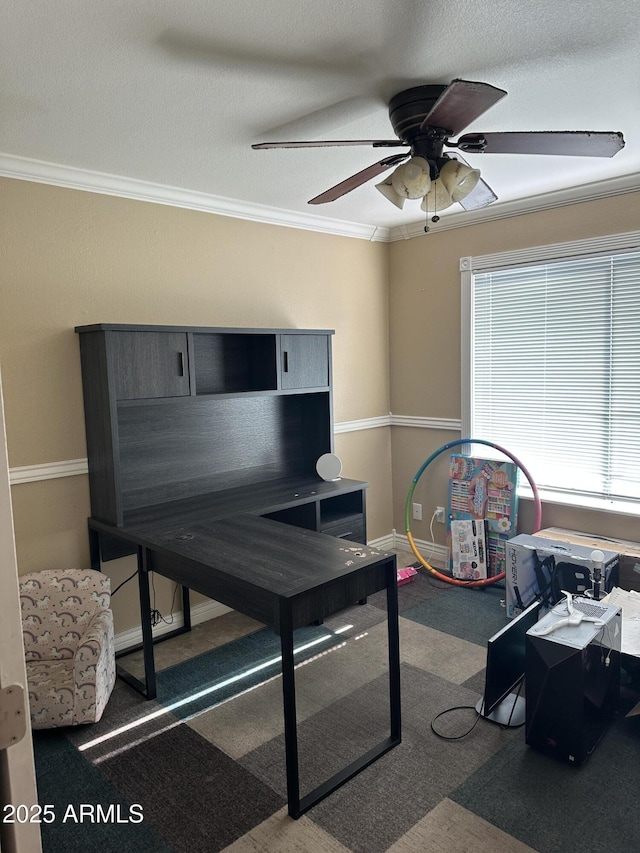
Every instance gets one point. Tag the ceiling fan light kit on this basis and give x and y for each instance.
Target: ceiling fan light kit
(437, 198)
(459, 179)
(425, 119)
(413, 178)
(388, 191)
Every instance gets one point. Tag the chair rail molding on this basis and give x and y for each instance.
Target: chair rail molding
(73, 467)
(48, 471)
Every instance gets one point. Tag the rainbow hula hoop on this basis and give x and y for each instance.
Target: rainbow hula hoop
(407, 510)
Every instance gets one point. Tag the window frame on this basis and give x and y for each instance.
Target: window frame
(608, 244)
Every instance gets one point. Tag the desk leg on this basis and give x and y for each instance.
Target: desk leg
(186, 610)
(148, 688)
(290, 721)
(299, 805)
(147, 628)
(393, 633)
(94, 549)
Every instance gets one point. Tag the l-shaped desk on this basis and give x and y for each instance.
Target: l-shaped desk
(203, 445)
(281, 575)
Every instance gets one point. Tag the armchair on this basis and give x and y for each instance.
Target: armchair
(67, 628)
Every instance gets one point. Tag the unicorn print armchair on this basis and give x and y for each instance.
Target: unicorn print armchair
(67, 628)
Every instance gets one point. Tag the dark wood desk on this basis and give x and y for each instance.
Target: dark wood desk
(281, 575)
(202, 445)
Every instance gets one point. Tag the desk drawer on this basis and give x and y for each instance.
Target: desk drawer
(351, 528)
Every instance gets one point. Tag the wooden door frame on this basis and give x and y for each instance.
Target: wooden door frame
(17, 769)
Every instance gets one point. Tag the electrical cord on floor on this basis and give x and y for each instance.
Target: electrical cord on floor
(478, 715)
(448, 711)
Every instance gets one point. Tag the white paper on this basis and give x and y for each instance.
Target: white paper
(629, 601)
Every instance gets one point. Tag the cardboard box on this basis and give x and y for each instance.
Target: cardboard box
(469, 549)
(484, 489)
(629, 552)
(528, 575)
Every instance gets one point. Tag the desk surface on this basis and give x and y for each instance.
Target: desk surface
(281, 575)
(255, 565)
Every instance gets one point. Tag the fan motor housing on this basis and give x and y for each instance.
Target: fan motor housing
(407, 111)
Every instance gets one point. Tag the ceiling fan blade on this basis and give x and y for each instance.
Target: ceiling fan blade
(359, 178)
(327, 143)
(573, 143)
(460, 103)
(198, 49)
(316, 123)
(480, 196)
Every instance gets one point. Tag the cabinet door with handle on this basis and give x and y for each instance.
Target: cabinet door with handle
(305, 361)
(150, 364)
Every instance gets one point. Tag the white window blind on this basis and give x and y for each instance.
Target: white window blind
(555, 370)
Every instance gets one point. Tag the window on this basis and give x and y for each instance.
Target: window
(551, 364)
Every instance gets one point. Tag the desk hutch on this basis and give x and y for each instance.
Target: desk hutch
(223, 420)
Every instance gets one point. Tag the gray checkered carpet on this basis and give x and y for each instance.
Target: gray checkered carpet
(207, 774)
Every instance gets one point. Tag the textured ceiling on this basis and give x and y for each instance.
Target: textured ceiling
(174, 92)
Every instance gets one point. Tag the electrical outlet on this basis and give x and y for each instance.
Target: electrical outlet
(417, 512)
(440, 514)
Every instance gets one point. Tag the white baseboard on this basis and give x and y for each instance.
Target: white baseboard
(199, 613)
(436, 555)
(384, 543)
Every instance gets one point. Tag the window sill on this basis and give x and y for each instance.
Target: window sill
(579, 501)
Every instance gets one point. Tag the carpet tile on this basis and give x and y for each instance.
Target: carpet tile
(203, 637)
(440, 653)
(449, 828)
(383, 802)
(279, 834)
(249, 720)
(209, 773)
(556, 807)
(470, 614)
(177, 776)
(67, 781)
(217, 674)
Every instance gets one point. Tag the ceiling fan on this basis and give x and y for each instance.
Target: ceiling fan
(424, 119)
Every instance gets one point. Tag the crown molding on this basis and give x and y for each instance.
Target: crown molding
(532, 204)
(70, 177)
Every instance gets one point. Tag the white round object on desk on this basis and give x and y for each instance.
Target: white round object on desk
(329, 466)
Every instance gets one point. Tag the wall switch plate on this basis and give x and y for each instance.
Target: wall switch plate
(417, 512)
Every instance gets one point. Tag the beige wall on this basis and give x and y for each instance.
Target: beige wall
(425, 346)
(71, 257)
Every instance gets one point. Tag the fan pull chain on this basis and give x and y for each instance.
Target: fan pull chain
(434, 218)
